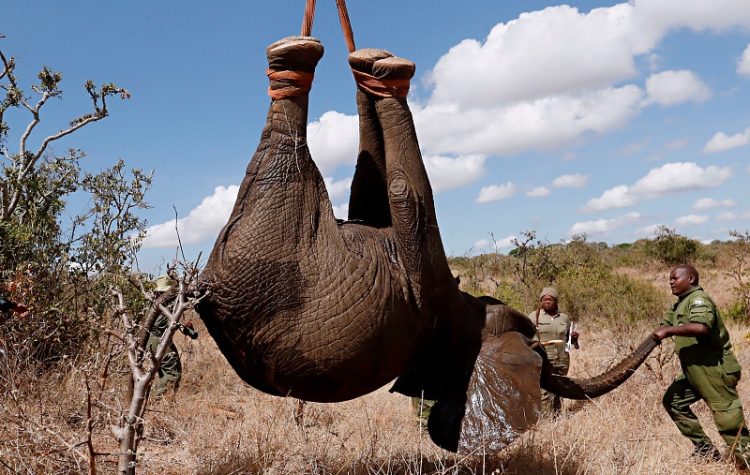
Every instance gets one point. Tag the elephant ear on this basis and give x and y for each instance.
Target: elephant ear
(502, 399)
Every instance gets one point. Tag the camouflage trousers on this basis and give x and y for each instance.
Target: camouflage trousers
(719, 390)
(170, 371)
(552, 403)
(422, 408)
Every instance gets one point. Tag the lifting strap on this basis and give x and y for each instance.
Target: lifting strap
(346, 25)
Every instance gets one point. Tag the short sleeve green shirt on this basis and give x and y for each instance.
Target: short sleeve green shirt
(552, 327)
(713, 349)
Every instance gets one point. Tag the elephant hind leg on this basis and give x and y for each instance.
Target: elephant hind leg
(409, 193)
(369, 195)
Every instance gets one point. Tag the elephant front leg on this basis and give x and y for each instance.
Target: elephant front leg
(259, 271)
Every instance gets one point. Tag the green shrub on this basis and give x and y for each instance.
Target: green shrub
(581, 271)
(736, 311)
(673, 249)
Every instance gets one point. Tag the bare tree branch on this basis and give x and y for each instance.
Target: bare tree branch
(171, 304)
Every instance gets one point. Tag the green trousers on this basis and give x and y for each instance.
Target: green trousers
(719, 390)
(170, 372)
(422, 407)
(552, 403)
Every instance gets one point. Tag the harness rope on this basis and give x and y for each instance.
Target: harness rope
(299, 83)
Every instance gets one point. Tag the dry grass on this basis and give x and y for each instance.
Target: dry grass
(219, 425)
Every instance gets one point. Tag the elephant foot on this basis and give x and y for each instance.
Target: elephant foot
(379, 73)
(363, 59)
(393, 68)
(291, 63)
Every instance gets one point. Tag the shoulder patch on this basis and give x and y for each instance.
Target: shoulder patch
(697, 302)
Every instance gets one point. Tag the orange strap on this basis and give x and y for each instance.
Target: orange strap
(381, 87)
(307, 19)
(299, 83)
(346, 25)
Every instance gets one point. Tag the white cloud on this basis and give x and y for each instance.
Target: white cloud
(333, 140)
(656, 17)
(721, 142)
(692, 219)
(538, 192)
(710, 203)
(669, 178)
(541, 124)
(341, 211)
(743, 65)
(669, 88)
(496, 246)
(603, 226)
(202, 222)
(446, 173)
(617, 197)
(496, 192)
(518, 58)
(680, 176)
(575, 180)
(338, 189)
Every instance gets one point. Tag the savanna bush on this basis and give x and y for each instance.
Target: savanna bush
(673, 249)
(581, 271)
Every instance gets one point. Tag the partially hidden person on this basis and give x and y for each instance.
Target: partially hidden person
(8, 306)
(170, 372)
(555, 332)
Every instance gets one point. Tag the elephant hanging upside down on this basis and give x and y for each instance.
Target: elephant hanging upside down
(306, 306)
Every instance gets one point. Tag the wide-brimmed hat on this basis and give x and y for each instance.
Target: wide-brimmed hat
(164, 283)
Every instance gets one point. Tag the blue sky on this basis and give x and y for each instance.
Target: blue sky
(594, 117)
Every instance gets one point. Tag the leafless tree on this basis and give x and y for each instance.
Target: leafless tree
(145, 365)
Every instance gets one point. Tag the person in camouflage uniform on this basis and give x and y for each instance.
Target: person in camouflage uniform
(170, 372)
(553, 330)
(710, 370)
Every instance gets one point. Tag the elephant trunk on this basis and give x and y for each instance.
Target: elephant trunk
(599, 385)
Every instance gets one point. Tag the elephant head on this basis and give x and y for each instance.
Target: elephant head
(305, 305)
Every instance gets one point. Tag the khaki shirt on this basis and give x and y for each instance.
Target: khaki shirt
(552, 327)
(714, 349)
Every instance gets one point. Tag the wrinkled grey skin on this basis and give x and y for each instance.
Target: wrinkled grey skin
(306, 306)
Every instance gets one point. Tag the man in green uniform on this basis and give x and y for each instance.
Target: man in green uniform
(170, 371)
(710, 370)
(553, 330)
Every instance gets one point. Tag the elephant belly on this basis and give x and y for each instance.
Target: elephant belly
(330, 326)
